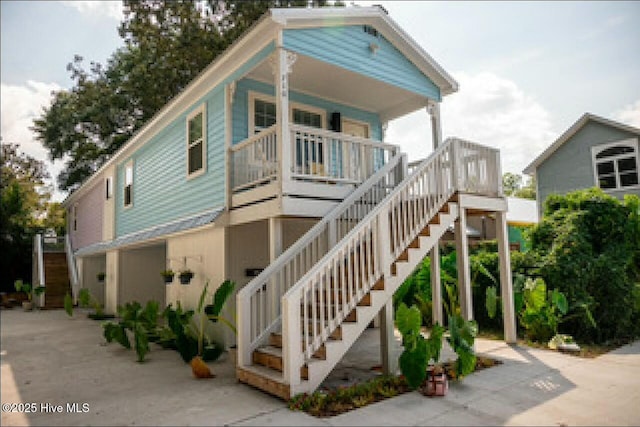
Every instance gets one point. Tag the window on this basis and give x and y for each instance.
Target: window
(196, 142)
(128, 184)
(264, 115)
(108, 185)
(616, 165)
(75, 217)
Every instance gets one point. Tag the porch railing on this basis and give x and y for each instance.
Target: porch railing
(258, 303)
(317, 155)
(254, 161)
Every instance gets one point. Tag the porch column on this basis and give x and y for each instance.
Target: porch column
(506, 285)
(111, 283)
(433, 108)
(282, 68)
(275, 238)
(387, 340)
(436, 287)
(464, 273)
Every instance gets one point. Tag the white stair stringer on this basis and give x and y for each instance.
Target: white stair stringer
(319, 369)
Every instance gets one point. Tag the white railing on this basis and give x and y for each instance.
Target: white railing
(254, 161)
(258, 303)
(316, 155)
(478, 169)
(323, 155)
(321, 300)
(71, 266)
(38, 265)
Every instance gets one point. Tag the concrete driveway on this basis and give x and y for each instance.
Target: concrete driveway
(61, 367)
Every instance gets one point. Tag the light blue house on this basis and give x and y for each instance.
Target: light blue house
(271, 169)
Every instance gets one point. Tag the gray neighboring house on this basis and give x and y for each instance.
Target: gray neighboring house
(593, 152)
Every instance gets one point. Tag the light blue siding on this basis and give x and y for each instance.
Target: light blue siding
(348, 47)
(240, 120)
(161, 190)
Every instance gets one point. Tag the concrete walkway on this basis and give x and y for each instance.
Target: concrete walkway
(49, 359)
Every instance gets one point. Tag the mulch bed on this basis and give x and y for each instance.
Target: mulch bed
(331, 402)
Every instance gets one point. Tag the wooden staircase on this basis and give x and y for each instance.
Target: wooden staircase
(298, 318)
(57, 279)
(266, 373)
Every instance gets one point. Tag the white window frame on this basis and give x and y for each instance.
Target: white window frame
(596, 149)
(128, 166)
(253, 96)
(201, 109)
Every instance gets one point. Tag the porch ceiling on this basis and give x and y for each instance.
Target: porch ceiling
(337, 84)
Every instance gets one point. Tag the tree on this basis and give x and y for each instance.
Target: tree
(512, 186)
(166, 45)
(24, 201)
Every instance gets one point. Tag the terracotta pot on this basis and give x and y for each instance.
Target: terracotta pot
(436, 383)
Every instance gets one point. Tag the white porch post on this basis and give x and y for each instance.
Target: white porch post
(275, 238)
(464, 273)
(433, 108)
(506, 285)
(282, 67)
(112, 279)
(436, 287)
(389, 363)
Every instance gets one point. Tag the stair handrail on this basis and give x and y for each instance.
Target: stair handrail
(365, 254)
(392, 172)
(71, 266)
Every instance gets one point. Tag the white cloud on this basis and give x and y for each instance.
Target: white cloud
(489, 110)
(20, 105)
(630, 114)
(111, 9)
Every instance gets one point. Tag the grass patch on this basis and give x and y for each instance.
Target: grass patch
(331, 402)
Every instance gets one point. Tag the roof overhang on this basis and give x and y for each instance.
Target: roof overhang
(569, 133)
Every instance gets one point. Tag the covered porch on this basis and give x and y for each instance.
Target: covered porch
(304, 133)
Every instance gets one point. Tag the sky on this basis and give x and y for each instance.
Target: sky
(527, 70)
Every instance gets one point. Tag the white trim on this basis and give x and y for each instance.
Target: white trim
(254, 95)
(127, 165)
(629, 142)
(202, 109)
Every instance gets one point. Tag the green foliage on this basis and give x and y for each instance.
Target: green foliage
(418, 351)
(141, 322)
(491, 301)
(68, 304)
(542, 311)
(512, 185)
(25, 209)
(84, 297)
(462, 334)
(588, 243)
(220, 297)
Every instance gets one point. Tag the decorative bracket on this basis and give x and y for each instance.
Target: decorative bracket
(232, 91)
(292, 57)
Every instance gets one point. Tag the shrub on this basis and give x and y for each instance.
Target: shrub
(588, 244)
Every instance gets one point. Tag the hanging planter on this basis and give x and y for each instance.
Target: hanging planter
(185, 276)
(101, 277)
(167, 275)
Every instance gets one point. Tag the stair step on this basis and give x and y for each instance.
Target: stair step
(270, 357)
(264, 379)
